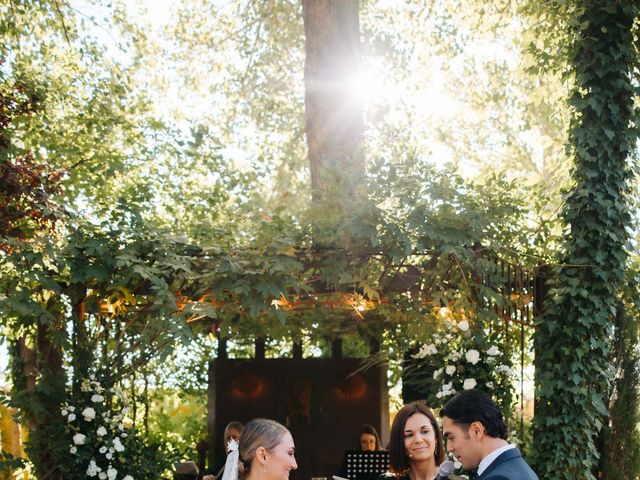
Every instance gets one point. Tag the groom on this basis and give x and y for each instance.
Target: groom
(476, 434)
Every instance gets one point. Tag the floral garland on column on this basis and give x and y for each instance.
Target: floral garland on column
(97, 427)
(459, 358)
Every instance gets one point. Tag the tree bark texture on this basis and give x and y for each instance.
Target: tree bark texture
(42, 377)
(333, 113)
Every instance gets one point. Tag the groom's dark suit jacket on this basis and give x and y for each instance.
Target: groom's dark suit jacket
(508, 466)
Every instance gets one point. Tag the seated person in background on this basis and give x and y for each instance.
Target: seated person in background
(416, 449)
(369, 439)
(476, 434)
(231, 432)
(186, 471)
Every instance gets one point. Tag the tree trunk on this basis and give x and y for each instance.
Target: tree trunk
(334, 123)
(41, 379)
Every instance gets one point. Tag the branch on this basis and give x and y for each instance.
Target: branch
(64, 26)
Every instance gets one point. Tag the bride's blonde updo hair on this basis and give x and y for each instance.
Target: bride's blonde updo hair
(259, 432)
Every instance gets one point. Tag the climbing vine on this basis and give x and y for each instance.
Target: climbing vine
(572, 340)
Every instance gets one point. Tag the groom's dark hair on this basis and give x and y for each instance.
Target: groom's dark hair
(476, 406)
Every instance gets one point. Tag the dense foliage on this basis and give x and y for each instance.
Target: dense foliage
(129, 225)
(619, 442)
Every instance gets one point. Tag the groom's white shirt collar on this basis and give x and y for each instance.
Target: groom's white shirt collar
(486, 461)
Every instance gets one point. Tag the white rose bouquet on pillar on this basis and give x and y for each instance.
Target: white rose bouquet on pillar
(97, 426)
(458, 358)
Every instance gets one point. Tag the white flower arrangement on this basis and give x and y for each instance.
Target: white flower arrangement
(463, 361)
(97, 437)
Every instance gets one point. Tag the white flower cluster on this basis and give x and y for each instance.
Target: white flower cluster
(101, 432)
(459, 361)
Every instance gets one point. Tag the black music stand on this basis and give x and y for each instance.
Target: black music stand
(359, 465)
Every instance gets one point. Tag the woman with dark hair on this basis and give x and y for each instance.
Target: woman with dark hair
(415, 449)
(368, 439)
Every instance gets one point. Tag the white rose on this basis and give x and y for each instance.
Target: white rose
(71, 417)
(426, 350)
(102, 449)
(439, 395)
(128, 477)
(79, 439)
(109, 456)
(463, 325)
(504, 368)
(89, 414)
(469, 383)
(102, 476)
(95, 398)
(73, 449)
(489, 384)
(111, 473)
(64, 412)
(101, 432)
(118, 445)
(493, 351)
(451, 369)
(447, 389)
(437, 373)
(92, 469)
(472, 356)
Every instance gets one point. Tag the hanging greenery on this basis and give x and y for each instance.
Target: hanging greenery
(119, 297)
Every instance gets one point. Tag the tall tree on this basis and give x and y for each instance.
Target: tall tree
(573, 371)
(333, 113)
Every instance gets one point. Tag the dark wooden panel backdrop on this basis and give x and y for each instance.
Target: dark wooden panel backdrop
(320, 400)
